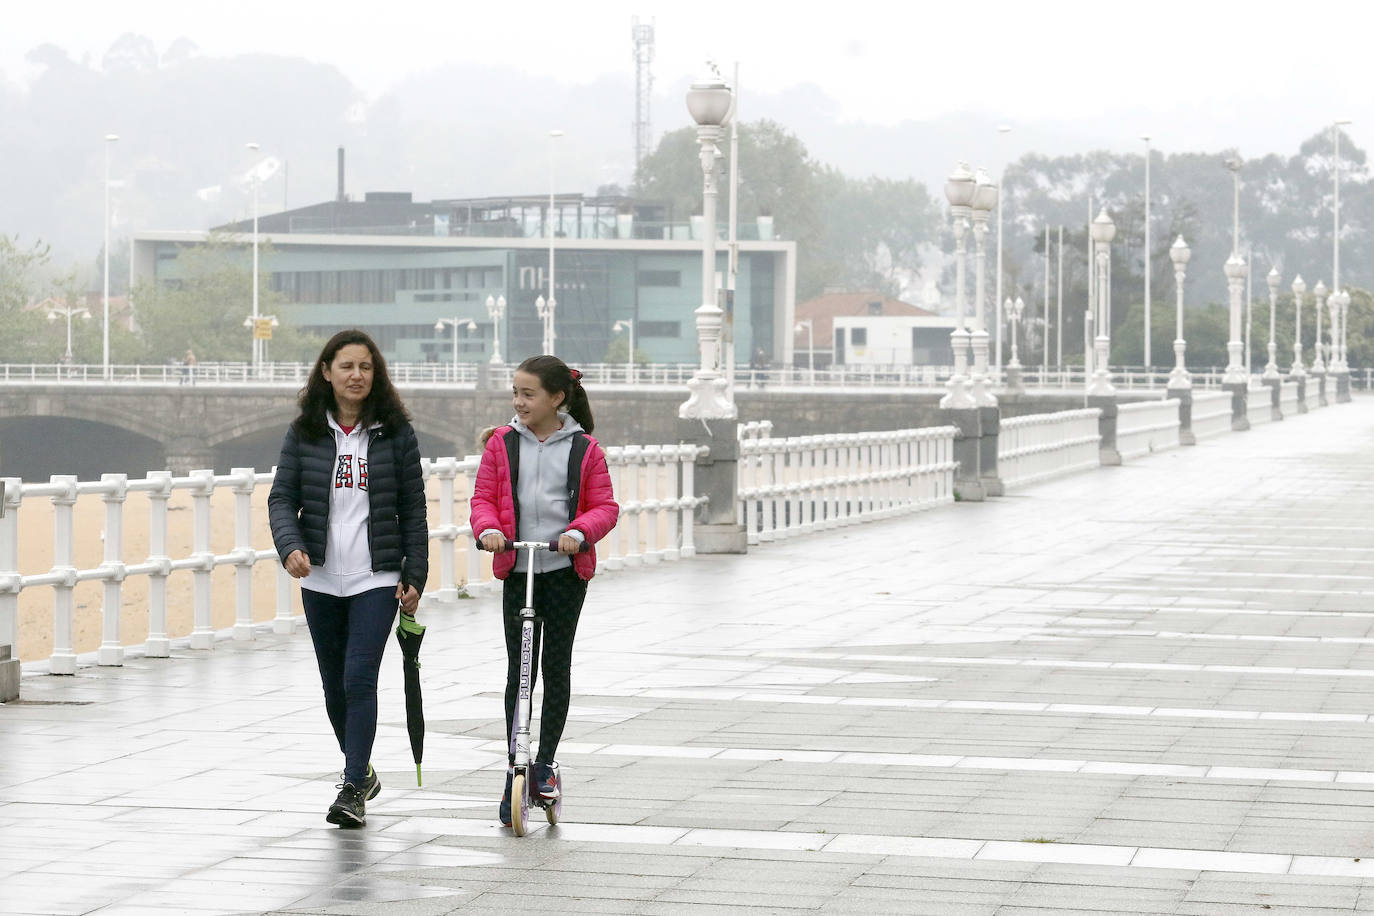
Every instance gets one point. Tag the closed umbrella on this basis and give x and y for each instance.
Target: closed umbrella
(410, 633)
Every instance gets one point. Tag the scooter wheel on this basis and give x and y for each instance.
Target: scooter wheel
(553, 811)
(519, 805)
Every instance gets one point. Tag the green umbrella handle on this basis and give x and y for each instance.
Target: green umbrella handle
(417, 775)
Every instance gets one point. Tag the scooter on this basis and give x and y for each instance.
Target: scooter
(524, 793)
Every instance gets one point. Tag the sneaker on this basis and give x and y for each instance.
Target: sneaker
(546, 780)
(504, 811)
(349, 809)
(372, 784)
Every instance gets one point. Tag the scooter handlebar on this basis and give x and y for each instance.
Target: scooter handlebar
(551, 546)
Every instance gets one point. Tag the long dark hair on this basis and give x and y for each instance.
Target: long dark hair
(383, 405)
(555, 376)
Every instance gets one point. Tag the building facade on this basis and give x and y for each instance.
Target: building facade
(397, 279)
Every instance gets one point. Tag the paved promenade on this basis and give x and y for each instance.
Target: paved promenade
(1143, 689)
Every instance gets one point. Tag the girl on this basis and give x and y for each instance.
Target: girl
(347, 511)
(551, 414)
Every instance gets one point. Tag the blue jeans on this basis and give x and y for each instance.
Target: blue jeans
(350, 636)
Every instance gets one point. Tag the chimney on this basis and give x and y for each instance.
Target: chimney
(342, 196)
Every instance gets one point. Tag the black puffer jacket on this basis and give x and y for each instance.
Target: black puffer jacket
(398, 528)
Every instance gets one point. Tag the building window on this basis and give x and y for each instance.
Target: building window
(660, 329)
(858, 336)
(671, 278)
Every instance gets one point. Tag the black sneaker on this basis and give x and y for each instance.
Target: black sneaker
(372, 784)
(349, 809)
(546, 781)
(504, 810)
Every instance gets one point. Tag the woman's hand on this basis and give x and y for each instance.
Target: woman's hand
(297, 564)
(495, 542)
(568, 544)
(409, 598)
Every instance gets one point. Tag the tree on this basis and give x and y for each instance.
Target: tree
(860, 234)
(203, 309)
(26, 330)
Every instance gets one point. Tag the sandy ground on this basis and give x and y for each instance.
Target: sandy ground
(36, 556)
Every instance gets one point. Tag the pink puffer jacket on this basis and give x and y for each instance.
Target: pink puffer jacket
(493, 503)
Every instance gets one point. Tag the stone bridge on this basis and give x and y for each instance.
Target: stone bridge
(92, 428)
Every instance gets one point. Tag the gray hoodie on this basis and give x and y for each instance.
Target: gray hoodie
(543, 491)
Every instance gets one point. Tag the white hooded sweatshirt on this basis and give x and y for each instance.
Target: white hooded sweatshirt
(348, 551)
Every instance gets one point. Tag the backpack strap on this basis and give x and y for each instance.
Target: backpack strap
(512, 440)
(576, 453)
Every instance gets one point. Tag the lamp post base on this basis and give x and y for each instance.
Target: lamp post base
(1184, 396)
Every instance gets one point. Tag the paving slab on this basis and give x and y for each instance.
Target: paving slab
(1135, 690)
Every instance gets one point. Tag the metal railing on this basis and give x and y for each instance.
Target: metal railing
(466, 374)
(1038, 447)
(1147, 426)
(654, 486)
(796, 485)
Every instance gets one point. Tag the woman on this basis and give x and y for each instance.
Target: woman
(347, 510)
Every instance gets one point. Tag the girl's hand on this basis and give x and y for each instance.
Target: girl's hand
(297, 564)
(495, 542)
(568, 544)
(409, 598)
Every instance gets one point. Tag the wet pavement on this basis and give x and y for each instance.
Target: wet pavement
(1136, 690)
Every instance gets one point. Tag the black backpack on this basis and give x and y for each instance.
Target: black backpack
(576, 453)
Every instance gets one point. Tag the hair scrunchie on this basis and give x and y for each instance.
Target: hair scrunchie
(577, 376)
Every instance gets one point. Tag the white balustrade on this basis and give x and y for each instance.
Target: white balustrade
(1211, 413)
(1146, 426)
(659, 526)
(1257, 405)
(791, 486)
(1288, 398)
(1041, 446)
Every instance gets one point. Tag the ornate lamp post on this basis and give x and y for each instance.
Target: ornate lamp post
(496, 308)
(1235, 280)
(1335, 358)
(709, 101)
(1180, 254)
(960, 189)
(70, 311)
(1271, 368)
(984, 199)
(1319, 302)
(455, 323)
(1299, 287)
(544, 309)
(1103, 231)
(1015, 309)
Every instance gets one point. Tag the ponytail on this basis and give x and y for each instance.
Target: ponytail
(554, 377)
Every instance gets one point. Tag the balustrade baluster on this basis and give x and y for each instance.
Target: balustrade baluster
(247, 557)
(202, 488)
(64, 569)
(158, 645)
(111, 650)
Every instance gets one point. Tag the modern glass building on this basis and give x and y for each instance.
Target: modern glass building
(395, 267)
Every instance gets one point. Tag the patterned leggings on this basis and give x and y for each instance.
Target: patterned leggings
(558, 597)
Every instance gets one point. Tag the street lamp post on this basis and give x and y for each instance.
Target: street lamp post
(69, 311)
(1299, 287)
(960, 188)
(1103, 231)
(1271, 368)
(466, 323)
(552, 303)
(709, 102)
(628, 324)
(1015, 309)
(1148, 366)
(496, 308)
(544, 309)
(1002, 130)
(1319, 303)
(105, 343)
(810, 326)
(985, 196)
(257, 346)
(1180, 254)
(1235, 279)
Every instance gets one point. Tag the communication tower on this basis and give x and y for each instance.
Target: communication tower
(642, 35)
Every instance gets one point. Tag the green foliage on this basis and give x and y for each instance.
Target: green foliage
(859, 234)
(204, 309)
(617, 351)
